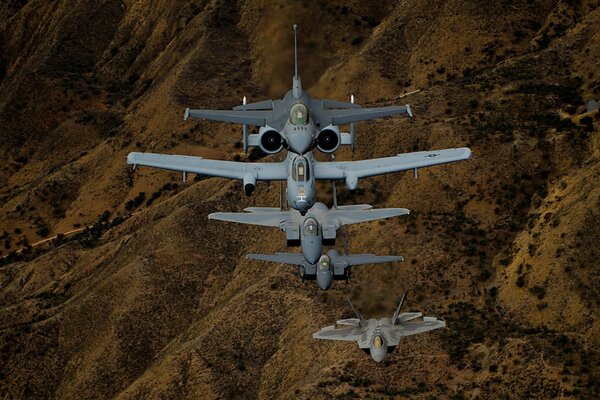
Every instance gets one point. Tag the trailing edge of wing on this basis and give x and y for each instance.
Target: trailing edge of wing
(253, 218)
(346, 116)
(258, 118)
(348, 217)
(199, 165)
(379, 166)
(282, 258)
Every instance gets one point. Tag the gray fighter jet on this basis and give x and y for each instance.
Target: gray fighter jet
(297, 122)
(300, 172)
(379, 336)
(318, 227)
(331, 266)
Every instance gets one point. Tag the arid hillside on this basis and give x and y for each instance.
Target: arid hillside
(153, 300)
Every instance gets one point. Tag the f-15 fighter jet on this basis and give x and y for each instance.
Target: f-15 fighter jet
(318, 227)
(331, 266)
(299, 171)
(297, 122)
(379, 336)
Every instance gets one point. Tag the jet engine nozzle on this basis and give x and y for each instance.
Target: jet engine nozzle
(329, 139)
(249, 184)
(270, 140)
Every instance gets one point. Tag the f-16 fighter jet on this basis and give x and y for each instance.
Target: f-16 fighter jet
(379, 336)
(318, 227)
(299, 171)
(297, 122)
(331, 266)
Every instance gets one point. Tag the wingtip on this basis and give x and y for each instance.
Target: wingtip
(409, 111)
(186, 114)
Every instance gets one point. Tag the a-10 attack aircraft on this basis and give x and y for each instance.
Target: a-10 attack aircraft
(297, 122)
(300, 172)
(379, 336)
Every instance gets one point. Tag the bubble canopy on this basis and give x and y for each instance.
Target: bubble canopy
(299, 114)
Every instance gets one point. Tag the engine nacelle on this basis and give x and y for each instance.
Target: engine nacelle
(249, 184)
(329, 139)
(270, 140)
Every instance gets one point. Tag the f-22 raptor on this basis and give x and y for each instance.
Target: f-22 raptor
(297, 122)
(379, 336)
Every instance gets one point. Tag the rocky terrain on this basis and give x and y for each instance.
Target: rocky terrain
(152, 300)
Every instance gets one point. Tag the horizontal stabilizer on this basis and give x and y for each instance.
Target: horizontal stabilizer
(253, 218)
(404, 317)
(282, 258)
(349, 322)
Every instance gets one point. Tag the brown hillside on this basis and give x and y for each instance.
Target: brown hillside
(161, 303)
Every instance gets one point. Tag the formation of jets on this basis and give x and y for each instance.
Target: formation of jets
(300, 125)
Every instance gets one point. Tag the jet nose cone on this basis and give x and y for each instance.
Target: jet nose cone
(378, 356)
(300, 142)
(323, 281)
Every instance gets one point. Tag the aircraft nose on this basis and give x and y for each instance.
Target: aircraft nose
(300, 142)
(324, 280)
(377, 356)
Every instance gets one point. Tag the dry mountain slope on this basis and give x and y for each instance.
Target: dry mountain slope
(163, 304)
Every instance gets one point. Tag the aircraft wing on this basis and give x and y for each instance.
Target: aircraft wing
(348, 217)
(349, 115)
(282, 258)
(359, 259)
(380, 166)
(253, 218)
(254, 117)
(199, 165)
(352, 334)
(413, 328)
(338, 104)
(259, 105)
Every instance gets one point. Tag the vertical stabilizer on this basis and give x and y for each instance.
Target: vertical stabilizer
(397, 313)
(296, 83)
(362, 320)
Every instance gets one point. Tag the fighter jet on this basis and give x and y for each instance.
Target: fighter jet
(329, 267)
(318, 227)
(300, 171)
(379, 336)
(297, 122)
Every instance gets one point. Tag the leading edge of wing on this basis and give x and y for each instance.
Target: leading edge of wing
(274, 219)
(257, 117)
(352, 334)
(379, 166)
(202, 166)
(350, 115)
